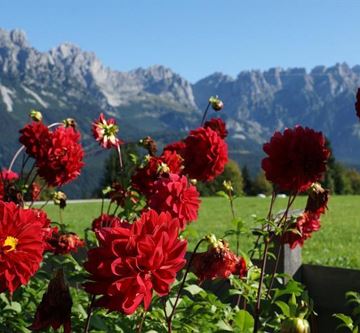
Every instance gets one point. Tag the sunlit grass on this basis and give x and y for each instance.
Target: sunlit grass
(336, 244)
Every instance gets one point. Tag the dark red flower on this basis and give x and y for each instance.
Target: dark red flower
(218, 262)
(64, 243)
(7, 178)
(156, 167)
(177, 147)
(105, 221)
(36, 138)
(301, 230)
(175, 195)
(21, 245)
(55, 307)
(105, 131)
(131, 262)
(63, 159)
(205, 154)
(296, 158)
(357, 104)
(317, 199)
(217, 125)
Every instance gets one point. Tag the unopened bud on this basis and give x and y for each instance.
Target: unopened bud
(193, 181)
(216, 103)
(228, 185)
(70, 122)
(59, 199)
(36, 115)
(295, 325)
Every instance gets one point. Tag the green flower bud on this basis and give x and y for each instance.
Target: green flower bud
(295, 325)
(216, 103)
(36, 115)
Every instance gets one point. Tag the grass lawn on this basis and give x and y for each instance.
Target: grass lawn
(336, 244)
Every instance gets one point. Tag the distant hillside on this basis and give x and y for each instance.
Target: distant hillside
(68, 82)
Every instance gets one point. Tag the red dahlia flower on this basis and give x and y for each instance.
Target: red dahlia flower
(6, 178)
(218, 126)
(302, 229)
(105, 131)
(64, 243)
(296, 158)
(176, 196)
(36, 138)
(105, 221)
(131, 262)
(63, 159)
(218, 262)
(55, 307)
(357, 104)
(144, 178)
(21, 245)
(205, 154)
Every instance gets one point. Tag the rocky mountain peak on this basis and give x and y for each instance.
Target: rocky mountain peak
(13, 38)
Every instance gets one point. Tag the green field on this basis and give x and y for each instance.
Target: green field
(336, 244)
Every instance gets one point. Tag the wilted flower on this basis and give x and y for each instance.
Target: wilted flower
(105, 131)
(35, 191)
(317, 199)
(55, 307)
(218, 262)
(64, 243)
(149, 144)
(7, 178)
(173, 194)
(132, 261)
(296, 158)
(21, 245)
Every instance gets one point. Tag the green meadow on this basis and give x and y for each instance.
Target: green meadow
(336, 244)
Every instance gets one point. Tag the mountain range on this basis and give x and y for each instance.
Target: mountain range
(69, 82)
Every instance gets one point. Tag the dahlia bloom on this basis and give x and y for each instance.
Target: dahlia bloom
(156, 167)
(6, 178)
(105, 221)
(105, 131)
(176, 196)
(302, 229)
(63, 159)
(217, 125)
(218, 262)
(132, 261)
(21, 245)
(55, 307)
(64, 243)
(357, 104)
(296, 158)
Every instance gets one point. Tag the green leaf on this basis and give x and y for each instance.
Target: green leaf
(222, 194)
(193, 289)
(345, 319)
(224, 326)
(285, 309)
(244, 322)
(14, 306)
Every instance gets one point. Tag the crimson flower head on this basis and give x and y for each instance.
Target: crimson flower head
(357, 104)
(6, 178)
(218, 262)
(64, 243)
(301, 230)
(156, 167)
(63, 159)
(105, 131)
(175, 195)
(55, 307)
(296, 158)
(132, 261)
(218, 125)
(205, 154)
(21, 245)
(105, 221)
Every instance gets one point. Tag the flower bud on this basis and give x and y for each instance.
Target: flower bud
(228, 185)
(216, 103)
(70, 122)
(36, 115)
(60, 199)
(149, 144)
(295, 325)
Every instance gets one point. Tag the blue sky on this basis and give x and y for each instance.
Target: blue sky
(195, 37)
